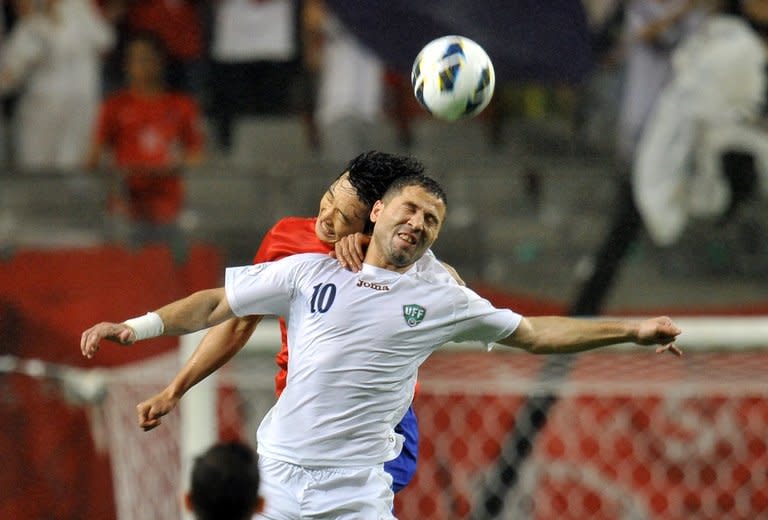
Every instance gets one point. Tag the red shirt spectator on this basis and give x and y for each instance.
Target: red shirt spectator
(152, 135)
(144, 133)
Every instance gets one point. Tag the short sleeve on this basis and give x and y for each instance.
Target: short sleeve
(263, 289)
(481, 321)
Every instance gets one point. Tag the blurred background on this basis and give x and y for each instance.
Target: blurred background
(620, 168)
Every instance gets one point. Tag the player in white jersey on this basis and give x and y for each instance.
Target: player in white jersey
(357, 341)
(336, 347)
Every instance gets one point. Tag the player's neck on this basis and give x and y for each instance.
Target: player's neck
(376, 260)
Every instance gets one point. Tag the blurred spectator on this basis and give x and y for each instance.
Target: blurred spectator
(350, 92)
(52, 56)
(653, 28)
(312, 36)
(153, 136)
(255, 56)
(179, 25)
(596, 113)
(3, 138)
(685, 165)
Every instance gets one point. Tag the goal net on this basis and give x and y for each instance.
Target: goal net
(625, 434)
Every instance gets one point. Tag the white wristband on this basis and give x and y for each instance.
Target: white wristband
(148, 326)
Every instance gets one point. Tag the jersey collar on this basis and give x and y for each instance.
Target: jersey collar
(380, 274)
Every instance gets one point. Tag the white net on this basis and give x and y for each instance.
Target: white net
(607, 435)
(628, 436)
(145, 465)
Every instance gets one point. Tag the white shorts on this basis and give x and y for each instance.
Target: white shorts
(293, 492)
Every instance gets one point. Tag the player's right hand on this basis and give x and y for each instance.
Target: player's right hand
(660, 331)
(118, 332)
(350, 251)
(150, 411)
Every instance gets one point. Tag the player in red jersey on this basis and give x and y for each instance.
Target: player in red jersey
(289, 236)
(344, 211)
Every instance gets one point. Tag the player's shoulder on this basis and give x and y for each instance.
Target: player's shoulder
(432, 270)
(298, 266)
(316, 260)
(294, 224)
(290, 236)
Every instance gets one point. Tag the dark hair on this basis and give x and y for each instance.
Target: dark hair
(372, 172)
(429, 184)
(225, 482)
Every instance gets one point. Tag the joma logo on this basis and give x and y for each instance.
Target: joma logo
(374, 286)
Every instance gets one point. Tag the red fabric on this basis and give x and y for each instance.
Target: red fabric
(50, 466)
(290, 236)
(144, 133)
(177, 23)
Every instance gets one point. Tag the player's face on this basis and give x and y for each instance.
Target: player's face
(406, 226)
(341, 212)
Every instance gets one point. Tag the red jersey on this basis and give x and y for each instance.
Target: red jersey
(289, 236)
(145, 133)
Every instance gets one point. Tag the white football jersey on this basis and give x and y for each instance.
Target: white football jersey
(357, 340)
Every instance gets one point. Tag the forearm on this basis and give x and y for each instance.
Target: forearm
(198, 311)
(560, 335)
(201, 310)
(218, 346)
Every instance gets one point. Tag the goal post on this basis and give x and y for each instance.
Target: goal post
(198, 408)
(199, 425)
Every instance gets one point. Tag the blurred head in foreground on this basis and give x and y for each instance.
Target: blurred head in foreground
(225, 483)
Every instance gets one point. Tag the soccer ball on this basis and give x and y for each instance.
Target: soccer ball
(453, 78)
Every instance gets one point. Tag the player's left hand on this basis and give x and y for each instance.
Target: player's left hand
(117, 332)
(659, 331)
(350, 251)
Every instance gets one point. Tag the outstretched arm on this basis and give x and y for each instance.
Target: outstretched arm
(195, 312)
(560, 335)
(216, 348)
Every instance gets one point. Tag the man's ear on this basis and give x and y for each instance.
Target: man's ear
(186, 500)
(375, 210)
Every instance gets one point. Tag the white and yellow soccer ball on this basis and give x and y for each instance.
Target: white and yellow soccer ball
(453, 78)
